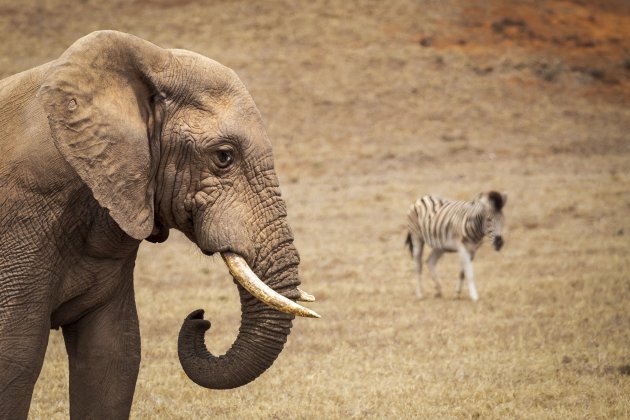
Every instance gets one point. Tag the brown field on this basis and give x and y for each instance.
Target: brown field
(370, 105)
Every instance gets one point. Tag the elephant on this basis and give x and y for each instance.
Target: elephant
(115, 142)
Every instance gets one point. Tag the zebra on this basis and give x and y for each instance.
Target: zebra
(454, 226)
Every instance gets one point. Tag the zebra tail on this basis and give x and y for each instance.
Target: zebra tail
(408, 243)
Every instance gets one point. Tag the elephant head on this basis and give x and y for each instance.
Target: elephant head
(171, 139)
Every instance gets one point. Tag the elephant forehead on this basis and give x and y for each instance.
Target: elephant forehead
(237, 116)
(208, 76)
(218, 92)
(226, 119)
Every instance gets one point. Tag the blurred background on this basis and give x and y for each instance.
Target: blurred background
(369, 105)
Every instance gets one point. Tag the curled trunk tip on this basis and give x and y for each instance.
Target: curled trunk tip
(262, 334)
(247, 358)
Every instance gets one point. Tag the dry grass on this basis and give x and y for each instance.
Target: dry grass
(364, 119)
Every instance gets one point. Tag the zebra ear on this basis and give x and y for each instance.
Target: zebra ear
(496, 199)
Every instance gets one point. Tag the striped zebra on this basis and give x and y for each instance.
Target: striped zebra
(454, 226)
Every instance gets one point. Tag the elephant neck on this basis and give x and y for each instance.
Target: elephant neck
(175, 165)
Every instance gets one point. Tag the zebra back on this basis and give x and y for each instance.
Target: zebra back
(441, 222)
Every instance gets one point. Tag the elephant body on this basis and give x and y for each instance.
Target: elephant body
(115, 142)
(57, 269)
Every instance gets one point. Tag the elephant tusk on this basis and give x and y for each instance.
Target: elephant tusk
(249, 280)
(305, 296)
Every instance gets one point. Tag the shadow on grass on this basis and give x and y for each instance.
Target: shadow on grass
(624, 369)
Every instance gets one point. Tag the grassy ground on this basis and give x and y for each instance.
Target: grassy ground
(369, 105)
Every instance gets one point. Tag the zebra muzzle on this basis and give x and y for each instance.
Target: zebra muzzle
(498, 242)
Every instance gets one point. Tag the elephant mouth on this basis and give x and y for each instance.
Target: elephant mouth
(245, 276)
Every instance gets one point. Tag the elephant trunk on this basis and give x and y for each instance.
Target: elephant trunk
(262, 334)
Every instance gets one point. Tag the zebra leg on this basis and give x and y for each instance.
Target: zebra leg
(460, 283)
(432, 262)
(466, 261)
(417, 245)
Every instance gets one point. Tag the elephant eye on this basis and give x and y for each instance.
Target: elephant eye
(223, 158)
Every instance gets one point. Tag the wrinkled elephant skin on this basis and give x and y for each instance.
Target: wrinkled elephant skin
(118, 141)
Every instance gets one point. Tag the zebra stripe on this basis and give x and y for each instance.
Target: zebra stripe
(441, 223)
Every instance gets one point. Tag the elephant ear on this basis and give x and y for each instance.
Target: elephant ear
(102, 98)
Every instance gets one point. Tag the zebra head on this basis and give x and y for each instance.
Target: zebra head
(494, 202)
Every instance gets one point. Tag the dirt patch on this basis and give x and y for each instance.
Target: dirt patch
(585, 42)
